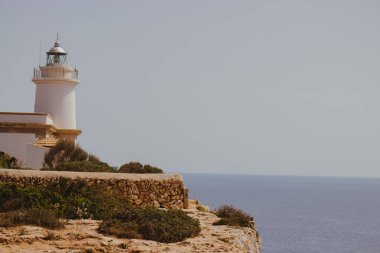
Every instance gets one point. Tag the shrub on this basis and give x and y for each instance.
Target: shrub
(120, 229)
(131, 167)
(36, 216)
(83, 166)
(63, 151)
(136, 167)
(151, 169)
(233, 217)
(73, 199)
(13, 197)
(11, 219)
(152, 224)
(168, 226)
(9, 162)
(43, 218)
(70, 199)
(67, 151)
(67, 156)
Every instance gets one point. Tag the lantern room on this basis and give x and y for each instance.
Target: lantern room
(56, 55)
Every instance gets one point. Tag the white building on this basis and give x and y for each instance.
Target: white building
(27, 136)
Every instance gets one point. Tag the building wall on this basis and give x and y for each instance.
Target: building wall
(15, 117)
(35, 156)
(143, 190)
(15, 144)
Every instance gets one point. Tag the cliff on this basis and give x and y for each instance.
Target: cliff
(81, 235)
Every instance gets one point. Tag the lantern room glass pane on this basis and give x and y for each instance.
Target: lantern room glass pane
(55, 59)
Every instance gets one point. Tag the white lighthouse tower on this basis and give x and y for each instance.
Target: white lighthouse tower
(28, 136)
(55, 91)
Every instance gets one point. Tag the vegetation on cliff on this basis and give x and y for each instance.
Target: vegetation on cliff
(233, 217)
(136, 167)
(71, 199)
(68, 156)
(46, 206)
(35, 216)
(152, 224)
(81, 166)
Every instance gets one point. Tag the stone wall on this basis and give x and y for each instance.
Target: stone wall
(144, 190)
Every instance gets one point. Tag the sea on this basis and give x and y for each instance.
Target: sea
(300, 214)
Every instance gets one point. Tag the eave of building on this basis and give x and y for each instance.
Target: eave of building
(27, 113)
(36, 128)
(12, 127)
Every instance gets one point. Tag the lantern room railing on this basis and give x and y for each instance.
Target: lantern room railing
(36, 74)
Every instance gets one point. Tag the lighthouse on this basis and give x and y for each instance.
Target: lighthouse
(29, 135)
(55, 91)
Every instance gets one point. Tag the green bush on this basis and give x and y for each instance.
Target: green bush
(67, 151)
(35, 216)
(13, 197)
(120, 229)
(151, 224)
(83, 166)
(67, 156)
(151, 169)
(71, 199)
(11, 219)
(136, 167)
(64, 151)
(233, 217)
(9, 162)
(43, 218)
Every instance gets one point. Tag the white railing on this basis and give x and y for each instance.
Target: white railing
(75, 74)
(37, 73)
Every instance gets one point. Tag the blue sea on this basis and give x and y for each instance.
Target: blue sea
(300, 214)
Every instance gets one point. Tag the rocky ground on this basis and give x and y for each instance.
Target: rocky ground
(81, 236)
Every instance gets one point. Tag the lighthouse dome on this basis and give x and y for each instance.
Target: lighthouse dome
(57, 49)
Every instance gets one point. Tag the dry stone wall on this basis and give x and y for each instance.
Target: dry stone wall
(144, 190)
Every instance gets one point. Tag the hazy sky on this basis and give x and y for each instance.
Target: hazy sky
(262, 87)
